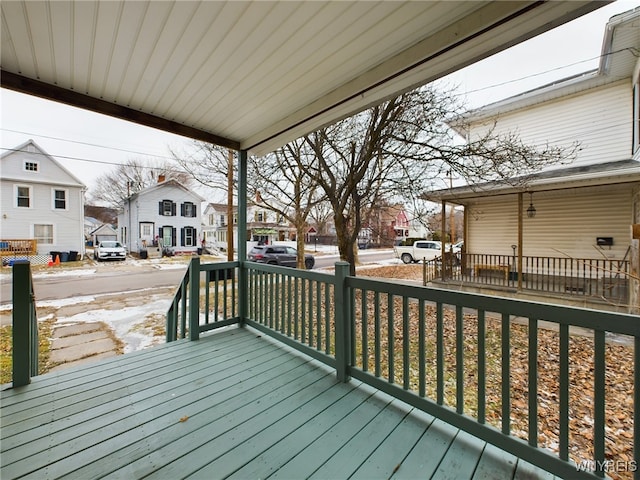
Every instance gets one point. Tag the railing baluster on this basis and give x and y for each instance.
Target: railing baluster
(506, 374)
(319, 315)
(599, 390)
(533, 382)
(296, 303)
(563, 394)
(459, 360)
(303, 314)
(439, 355)
(390, 339)
(405, 342)
(365, 330)
(206, 298)
(378, 347)
(636, 406)
(422, 349)
(327, 321)
(482, 368)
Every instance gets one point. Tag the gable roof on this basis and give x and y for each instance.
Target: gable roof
(618, 59)
(161, 185)
(252, 75)
(23, 148)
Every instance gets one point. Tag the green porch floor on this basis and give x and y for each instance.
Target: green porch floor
(233, 404)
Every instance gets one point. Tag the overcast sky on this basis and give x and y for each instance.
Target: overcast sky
(89, 144)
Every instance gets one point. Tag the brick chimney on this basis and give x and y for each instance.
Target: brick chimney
(161, 178)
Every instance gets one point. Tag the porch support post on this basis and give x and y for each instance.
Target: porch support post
(22, 325)
(520, 236)
(243, 295)
(194, 298)
(443, 240)
(343, 322)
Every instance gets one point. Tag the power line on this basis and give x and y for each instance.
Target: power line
(86, 143)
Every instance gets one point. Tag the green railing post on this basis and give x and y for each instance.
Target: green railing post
(23, 334)
(343, 322)
(194, 299)
(243, 275)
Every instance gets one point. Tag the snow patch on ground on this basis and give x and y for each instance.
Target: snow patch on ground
(125, 321)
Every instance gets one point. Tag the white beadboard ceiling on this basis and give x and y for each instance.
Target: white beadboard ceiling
(252, 75)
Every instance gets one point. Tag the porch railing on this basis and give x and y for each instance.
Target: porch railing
(536, 380)
(18, 247)
(24, 327)
(607, 279)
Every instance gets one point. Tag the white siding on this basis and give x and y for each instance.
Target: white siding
(600, 119)
(567, 223)
(18, 222)
(144, 208)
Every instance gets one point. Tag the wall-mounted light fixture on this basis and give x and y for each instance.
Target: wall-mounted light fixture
(531, 211)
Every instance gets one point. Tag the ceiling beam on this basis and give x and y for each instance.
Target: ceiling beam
(55, 93)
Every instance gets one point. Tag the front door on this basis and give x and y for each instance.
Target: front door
(146, 233)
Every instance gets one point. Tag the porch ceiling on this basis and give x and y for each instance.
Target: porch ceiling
(252, 75)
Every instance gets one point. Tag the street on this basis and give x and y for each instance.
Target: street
(131, 275)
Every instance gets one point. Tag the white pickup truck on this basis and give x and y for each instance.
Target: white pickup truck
(421, 249)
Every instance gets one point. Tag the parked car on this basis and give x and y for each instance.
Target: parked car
(109, 250)
(457, 247)
(279, 255)
(421, 249)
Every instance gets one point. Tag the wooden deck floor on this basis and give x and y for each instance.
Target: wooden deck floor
(233, 404)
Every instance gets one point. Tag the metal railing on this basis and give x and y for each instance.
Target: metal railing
(607, 279)
(24, 326)
(497, 368)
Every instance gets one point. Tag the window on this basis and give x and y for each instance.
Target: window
(59, 199)
(212, 219)
(145, 229)
(261, 217)
(223, 222)
(168, 236)
(167, 208)
(188, 237)
(43, 233)
(188, 209)
(31, 166)
(23, 196)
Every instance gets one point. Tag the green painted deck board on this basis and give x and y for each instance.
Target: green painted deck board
(231, 404)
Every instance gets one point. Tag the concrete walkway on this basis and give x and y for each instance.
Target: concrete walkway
(81, 343)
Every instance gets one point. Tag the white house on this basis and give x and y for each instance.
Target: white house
(215, 222)
(40, 200)
(583, 210)
(166, 214)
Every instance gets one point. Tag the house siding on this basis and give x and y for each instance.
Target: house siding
(145, 209)
(18, 222)
(566, 224)
(599, 119)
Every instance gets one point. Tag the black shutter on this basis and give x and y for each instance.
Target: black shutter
(173, 233)
(173, 209)
(182, 209)
(160, 211)
(182, 235)
(194, 213)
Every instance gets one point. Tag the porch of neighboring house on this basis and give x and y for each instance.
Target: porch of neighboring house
(333, 376)
(604, 281)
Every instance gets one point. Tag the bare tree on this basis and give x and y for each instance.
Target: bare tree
(112, 187)
(399, 149)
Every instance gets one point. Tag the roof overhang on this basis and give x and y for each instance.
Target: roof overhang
(597, 175)
(252, 75)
